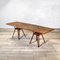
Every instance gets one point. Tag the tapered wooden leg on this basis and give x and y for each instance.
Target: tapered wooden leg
(18, 34)
(13, 33)
(23, 32)
(43, 38)
(31, 38)
(37, 39)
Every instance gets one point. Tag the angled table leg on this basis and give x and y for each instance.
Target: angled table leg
(13, 33)
(43, 38)
(31, 39)
(23, 32)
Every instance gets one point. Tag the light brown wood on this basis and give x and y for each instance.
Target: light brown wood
(31, 27)
(37, 30)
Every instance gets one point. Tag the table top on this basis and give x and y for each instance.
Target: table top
(31, 27)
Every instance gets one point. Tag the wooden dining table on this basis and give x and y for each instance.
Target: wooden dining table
(36, 29)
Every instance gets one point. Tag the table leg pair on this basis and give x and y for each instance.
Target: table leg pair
(18, 31)
(37, 38)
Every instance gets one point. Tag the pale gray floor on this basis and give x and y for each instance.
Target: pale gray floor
(14, 49)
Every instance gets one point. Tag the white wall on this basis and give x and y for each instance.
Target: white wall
(40, 12)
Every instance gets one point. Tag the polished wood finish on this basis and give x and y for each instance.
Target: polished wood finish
(31, 27)
(37, 30)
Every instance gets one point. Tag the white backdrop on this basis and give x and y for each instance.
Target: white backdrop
(39, 12)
